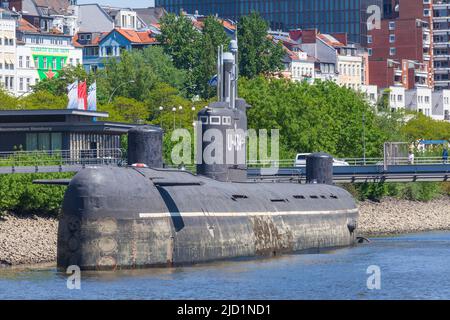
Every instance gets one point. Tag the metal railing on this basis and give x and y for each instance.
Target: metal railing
(61, 158)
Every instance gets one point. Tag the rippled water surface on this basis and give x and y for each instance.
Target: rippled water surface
(412, 267)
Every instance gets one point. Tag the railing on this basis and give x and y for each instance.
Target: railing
(61, 158)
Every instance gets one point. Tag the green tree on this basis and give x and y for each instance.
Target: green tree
(423, 127)
(180, 40)
(7, 101)
(43, 100)
(318, 117)
(257, 52)
(213, 36)
(58, 85)
(128, 110)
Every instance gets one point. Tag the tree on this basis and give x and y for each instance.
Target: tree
(213, 36)
(127, 110)
(58, 85)
(43, 100)
(257, 52)
(423, 127)
(180, 40)
(318, 117)
(7, 101)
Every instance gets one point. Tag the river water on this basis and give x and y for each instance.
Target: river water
(411, 267)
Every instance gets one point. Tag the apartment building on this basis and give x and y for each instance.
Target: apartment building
(8, 50)
(401, 52)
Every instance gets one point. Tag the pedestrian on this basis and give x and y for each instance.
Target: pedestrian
(445, 155)
(411, 157)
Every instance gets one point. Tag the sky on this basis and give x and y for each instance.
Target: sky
(122, 3)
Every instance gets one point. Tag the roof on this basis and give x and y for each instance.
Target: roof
(96, 38)
(53, 112)
(150, 16)
(92, 18)
(137, 37)
(330, 40)
(54, 6)
(25, 26)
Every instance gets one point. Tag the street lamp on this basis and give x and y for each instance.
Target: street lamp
(181, 109)
(174, 110)
(117, 88)
(161, 108)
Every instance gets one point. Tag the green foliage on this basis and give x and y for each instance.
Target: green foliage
(137, 75)
(212, 37)
(417, 191)
(43, 100)
(423, 127)
(19, 195)
(58, 85)
(257, 53)
(319, 117)
(7, 101)
(126, 110)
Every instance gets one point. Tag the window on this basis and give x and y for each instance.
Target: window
(392, 51)
(370, 52)
(21, 84)
(426, 12)
(45, 63)
(391, 38)
(400, 98)
(36, 62)
(369, 39)
(28, 84)
(391, 25)
(226, 120)
(54, 64)
(20, 62)
(27, 63)
(215, 120)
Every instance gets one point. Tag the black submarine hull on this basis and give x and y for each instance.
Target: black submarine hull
(125, 218)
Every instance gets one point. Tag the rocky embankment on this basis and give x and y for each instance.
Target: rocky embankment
(27, 240)
(33, 240)
(393, 216)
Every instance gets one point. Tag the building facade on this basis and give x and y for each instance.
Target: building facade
(401, 52)
(8, 52)
(330, 16)
(42, 55)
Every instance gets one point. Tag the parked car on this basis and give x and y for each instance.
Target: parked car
(300, 161)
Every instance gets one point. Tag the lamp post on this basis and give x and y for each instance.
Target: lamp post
(173, 111)
(117, 88)
(161, 109)
(193, 115)
(181, 109)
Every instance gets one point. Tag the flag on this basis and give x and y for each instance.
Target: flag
(82, 95)
(92, 97)
(213, 81)
(73, 95)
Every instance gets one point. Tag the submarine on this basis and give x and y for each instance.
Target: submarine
(144, 215)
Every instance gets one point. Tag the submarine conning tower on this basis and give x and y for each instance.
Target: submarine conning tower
(222, 126)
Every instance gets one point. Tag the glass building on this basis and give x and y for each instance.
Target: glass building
(328, 16)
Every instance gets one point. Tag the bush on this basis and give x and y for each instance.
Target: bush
(19, 195)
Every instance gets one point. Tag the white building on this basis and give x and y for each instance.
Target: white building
(8, 51)
(419, 100)
(371, 93)
(397, 98)
(441, 105)
(302, 67)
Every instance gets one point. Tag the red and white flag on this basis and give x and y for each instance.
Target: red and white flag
(82, 95)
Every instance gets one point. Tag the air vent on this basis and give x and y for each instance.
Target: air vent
(279, 200)
(236, 197)
(334, 196)
(314, 197)
(323, 197)
(299, 197)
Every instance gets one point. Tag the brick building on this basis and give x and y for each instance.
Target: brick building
(401, 52)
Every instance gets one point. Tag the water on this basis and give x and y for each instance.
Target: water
(412, 267)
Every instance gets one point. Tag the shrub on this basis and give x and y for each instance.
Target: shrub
(18, 194)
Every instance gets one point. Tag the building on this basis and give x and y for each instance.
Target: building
(401, 52)
(329, 16)
(371, 94)
(99, 47)
(93, 18)
(441, 43)
(8, 52)
(51, 130)
(42, 55)
(419, 100)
